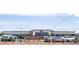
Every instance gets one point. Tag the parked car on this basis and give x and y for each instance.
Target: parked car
(47, 39)
(8, 38)
(58, 39)
(20, 36)
(76, 40)
(53, 39)
(68, 39)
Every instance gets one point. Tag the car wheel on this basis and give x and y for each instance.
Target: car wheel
(67, 41)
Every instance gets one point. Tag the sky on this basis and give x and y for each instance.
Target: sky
(56, 21)
(39, 14)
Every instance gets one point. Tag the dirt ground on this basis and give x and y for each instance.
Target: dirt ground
(37, 42)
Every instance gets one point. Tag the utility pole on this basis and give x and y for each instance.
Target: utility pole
(49, 33)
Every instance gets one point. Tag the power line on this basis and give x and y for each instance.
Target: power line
(62, 21)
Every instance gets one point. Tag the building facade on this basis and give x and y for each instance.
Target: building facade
(40, 32)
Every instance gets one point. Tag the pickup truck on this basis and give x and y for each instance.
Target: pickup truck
(8, 38)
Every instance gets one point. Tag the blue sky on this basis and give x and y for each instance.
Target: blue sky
(39, 14)
(25, 22)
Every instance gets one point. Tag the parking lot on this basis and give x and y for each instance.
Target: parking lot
(37, 42)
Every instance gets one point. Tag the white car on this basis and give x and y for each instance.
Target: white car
(68, 38)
